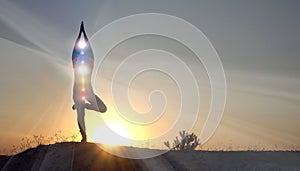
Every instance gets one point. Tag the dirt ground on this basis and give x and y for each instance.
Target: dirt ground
(88, 156)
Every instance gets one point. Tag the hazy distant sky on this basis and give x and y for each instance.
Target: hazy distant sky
(257, 42)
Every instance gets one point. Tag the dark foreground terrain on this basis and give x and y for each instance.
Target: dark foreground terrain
(88, 156)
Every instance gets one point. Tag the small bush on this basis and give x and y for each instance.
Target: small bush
(188, 142)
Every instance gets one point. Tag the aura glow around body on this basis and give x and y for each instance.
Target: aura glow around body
(83, 93)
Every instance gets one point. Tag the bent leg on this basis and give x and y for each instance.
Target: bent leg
(96, 104)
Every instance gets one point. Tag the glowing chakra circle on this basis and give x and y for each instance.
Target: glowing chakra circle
(81, 44)
(83, 70)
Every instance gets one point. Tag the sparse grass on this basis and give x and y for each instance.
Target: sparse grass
(36, 140)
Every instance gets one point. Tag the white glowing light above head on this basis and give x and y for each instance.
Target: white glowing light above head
(81, 44)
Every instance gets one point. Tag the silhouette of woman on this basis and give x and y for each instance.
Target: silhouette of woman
(83, 94)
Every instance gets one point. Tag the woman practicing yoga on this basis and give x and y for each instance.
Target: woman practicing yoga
(83, 94)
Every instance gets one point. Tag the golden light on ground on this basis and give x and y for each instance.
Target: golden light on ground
(111, 134)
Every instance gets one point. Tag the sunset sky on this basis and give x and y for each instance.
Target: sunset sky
(257, 43)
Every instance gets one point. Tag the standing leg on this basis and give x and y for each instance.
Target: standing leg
(80, 120)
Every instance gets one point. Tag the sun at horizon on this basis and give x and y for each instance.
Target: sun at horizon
(110, 134)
